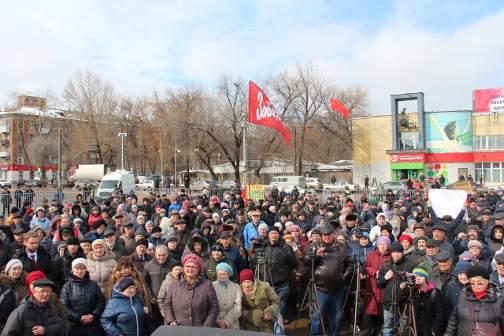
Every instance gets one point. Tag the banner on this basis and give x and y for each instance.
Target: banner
(488, 100)
(262, 112)
(449, 132)
(256, 192)
(447, 202)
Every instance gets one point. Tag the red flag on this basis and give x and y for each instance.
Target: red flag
(244, 195)
(261, 112)
(336, 106)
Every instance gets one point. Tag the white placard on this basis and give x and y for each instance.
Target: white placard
(447, 201)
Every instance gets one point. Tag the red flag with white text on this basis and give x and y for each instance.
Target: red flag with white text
(262, 112)
(337, 106)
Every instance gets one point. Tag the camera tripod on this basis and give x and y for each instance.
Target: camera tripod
(407, 319)
(311, 300)
(356, 278)
(262, 271)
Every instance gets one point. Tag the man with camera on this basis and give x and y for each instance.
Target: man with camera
(390, 277)
(332, 270)
(280, 260)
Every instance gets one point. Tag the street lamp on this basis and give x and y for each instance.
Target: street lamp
(176, 150)
(122, 135)
(58, 176)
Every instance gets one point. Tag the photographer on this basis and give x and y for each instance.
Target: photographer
(332, 271)
(389, 279)
(281, 261)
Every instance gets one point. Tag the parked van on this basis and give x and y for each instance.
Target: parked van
(118, 180)
(287, 183)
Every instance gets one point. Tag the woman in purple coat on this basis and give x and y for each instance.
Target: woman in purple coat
(191, 300)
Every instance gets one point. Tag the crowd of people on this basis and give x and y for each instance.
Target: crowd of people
(130, 265)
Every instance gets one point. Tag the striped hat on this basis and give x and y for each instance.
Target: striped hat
(421, 271)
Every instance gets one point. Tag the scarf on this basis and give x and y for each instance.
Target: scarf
(479, 294)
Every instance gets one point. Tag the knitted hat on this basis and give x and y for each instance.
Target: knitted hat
(384, 239)
(421, 271)
(247, 274)
(462, 267)
(98, 241)
(406, 237)
(194, 259)
(263, 225)
(224, 267)
(142, 241)
(79, 261)
(124, 283)
(293, 228)
(475, 243)
(476, 270)
(396, 247)
(13, 263)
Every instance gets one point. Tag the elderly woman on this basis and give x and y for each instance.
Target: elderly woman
(229, 297)
(14, 277)
(191, 300)
(260, 303)
(478, 310)
(83, 300)
(124, 314)
(373, 303)
(170, 277)
(100, 263)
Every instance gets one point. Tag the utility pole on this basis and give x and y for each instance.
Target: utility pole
(244, 142)
(122, 135)
(59, 156)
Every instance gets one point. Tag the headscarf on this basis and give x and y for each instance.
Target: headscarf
(194, 259)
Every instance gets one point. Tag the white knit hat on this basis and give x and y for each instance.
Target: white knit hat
(79, 261)
(12, 263)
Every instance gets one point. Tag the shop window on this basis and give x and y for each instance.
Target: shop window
(492, 144)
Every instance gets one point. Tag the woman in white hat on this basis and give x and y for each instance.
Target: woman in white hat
(83, 300)
(14, 277)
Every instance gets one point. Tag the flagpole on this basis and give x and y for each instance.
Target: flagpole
(244, 141)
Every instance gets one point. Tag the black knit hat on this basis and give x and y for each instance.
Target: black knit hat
(142, 241)
(477, 270)
(73, 241)
(396, 247)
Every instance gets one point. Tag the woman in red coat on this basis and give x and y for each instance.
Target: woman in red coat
(374, 297)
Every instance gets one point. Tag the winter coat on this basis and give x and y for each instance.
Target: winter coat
(129, 243)
(229, 297)
(28, 315)
(163, 290)
(392, 284)
(100, 268)
(123, 316)
(469, 309)
(82, 297)
(332, 270)
(5, 252)
(281, 261)
(373, 264)
(154, 274)
(250, 232)
(7, 302)
(191, 304)
(139, 262)
(429, 311)
(43, 264)
(265, 299)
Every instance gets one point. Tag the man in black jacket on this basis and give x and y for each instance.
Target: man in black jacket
(281, 261)
(35, 315)
(390, 279)
(333, 269)
(33, 256)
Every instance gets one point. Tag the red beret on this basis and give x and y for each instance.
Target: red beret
(406, 237)
(246, 274)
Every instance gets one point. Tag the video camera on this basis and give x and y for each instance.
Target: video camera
(407, 277)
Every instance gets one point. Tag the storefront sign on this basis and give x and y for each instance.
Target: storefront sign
(407, 158)
(488, 100)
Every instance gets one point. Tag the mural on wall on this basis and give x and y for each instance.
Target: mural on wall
(449, 132)
(435, 170)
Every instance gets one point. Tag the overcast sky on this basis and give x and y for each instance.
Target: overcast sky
(443, 48)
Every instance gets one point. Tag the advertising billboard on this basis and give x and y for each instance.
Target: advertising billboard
(488, 100)
(449, 132)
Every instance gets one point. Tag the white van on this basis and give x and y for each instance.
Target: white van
(287, 183)
(118, 180)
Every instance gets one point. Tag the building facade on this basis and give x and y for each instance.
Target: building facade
(449, 143)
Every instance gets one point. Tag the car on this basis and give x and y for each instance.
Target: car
(229, 184)
(313, 183)
(145, 185)
(340, 186)
(392, 185)
(79, 183)
(199, 185)
(4, 183)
